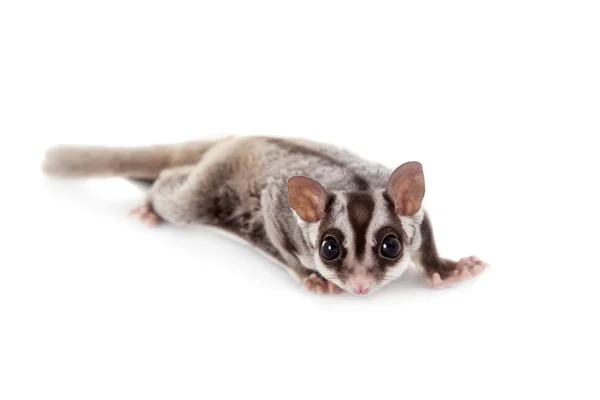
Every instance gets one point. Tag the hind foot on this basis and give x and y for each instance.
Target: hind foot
(146, 214)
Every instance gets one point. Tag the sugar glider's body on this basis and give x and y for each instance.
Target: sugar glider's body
(245, 185)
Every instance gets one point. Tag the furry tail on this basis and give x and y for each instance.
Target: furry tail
(143, 163)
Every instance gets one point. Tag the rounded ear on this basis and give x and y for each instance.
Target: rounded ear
(406, 187)
(307, 197)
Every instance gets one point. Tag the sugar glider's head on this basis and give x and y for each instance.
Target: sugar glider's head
(361, 240)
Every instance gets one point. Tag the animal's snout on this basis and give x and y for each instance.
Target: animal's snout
(361, 285)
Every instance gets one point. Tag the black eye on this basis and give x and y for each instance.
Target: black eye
(330, 249)
(391, 247)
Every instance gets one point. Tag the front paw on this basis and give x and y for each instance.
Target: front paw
(145, 213)
(465, 269)
(317, 284)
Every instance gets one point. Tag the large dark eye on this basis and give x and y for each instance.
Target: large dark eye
(391, 247)
(330, 249)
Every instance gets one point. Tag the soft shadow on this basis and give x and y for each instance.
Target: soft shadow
(117, 196)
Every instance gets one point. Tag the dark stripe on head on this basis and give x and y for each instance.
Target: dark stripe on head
(395, 219)
(360, 211)
(330, 202)
(328, 218)
(288, 245)
(391, 206)
(360, 182)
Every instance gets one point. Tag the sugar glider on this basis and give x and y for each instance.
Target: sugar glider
(332, 219)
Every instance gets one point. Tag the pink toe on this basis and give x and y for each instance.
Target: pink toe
(331, 287)
(479, 268)
(308, 285)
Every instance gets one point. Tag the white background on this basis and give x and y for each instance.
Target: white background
(500, 102)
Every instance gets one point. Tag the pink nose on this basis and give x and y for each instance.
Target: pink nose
(361, 288)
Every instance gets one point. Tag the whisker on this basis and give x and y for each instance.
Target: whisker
(389, 279)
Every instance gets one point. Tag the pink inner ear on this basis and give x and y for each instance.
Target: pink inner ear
(307, 197)
(406, 187)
